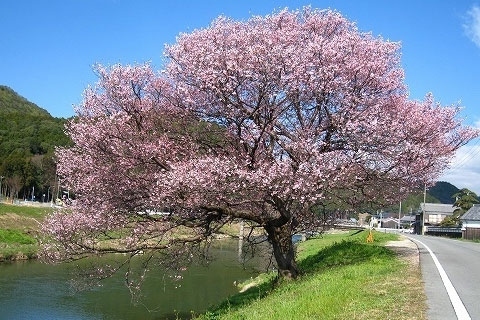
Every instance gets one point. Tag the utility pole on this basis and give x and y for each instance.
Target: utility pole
(423, 209)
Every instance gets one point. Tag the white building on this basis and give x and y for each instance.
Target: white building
(434, 213)
(471, 223)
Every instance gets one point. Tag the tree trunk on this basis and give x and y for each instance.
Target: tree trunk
(283, 250)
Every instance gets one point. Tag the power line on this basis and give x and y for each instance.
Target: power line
(471, 153)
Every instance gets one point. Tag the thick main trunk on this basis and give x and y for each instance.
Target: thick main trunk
(283, 250)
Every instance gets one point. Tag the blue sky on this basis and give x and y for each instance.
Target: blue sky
(47, 48)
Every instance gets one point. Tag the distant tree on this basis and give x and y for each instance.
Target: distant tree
(14, 184)
(464, 200)
(310, 110)
(48, 177)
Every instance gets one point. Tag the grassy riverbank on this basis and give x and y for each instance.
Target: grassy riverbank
(19, 226)
(343, 278)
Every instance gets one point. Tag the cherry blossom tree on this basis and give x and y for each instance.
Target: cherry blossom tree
(261, 120)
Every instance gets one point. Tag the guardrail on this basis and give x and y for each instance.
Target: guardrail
(451, 232)
(443, 229)
(348, 226)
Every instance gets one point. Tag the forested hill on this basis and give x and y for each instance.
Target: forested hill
(26, 128)
(443, 191)
(11, 102)
(28, 136)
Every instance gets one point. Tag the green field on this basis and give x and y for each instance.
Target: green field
(19, 228)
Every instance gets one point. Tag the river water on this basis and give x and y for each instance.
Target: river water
(33, 290)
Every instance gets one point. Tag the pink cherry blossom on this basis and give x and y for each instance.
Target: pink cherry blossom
(260, 120)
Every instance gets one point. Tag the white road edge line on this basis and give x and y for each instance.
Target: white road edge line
(458, 306)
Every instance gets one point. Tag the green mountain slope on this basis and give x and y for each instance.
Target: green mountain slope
(28, 136)
(443, 191)
(11, 102)
(26, 128)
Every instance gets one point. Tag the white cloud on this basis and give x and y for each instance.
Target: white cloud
(472, 24)
(464, 171)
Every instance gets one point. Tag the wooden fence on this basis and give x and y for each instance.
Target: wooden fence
(471, 233)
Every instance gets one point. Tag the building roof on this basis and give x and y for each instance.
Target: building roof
(472, 214)
(408, 219)
(438, 208)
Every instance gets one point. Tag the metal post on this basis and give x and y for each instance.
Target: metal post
(240, 241)
(1, 194)
(399, 213)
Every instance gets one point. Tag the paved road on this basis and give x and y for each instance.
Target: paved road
(461, 262)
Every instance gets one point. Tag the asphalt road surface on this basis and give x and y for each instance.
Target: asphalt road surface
(451, 272)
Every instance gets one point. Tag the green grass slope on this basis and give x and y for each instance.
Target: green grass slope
(343, 278)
